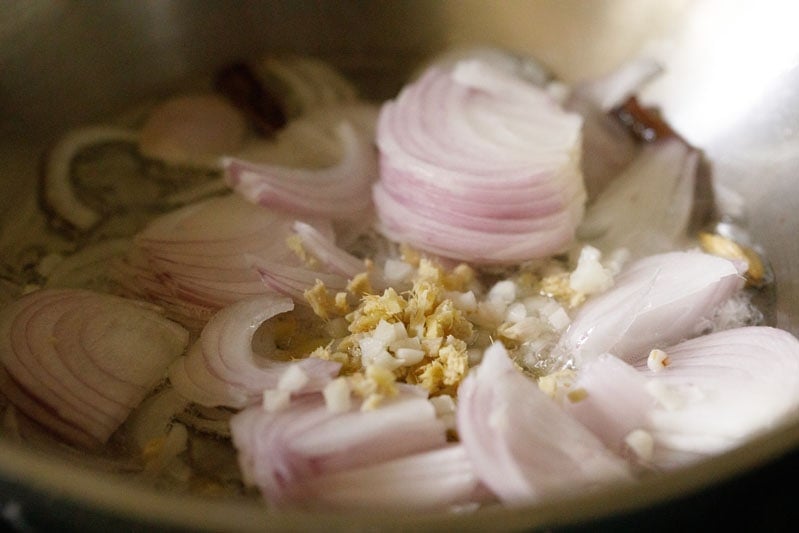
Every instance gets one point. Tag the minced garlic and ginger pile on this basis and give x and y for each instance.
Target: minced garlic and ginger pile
(434, 322)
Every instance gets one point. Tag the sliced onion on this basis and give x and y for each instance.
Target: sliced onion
(221, 368)
(480, 165)
(648, 207)
(607, 149)
(58, 190)
(332, 258)
(608, 146)
(78, 362)
(710, 394)
(656, 301)
(280, 451)
(720, 389)
(294, 281)
(524, 447)
(433, 480)
(337, 192)
(313, 141)
(193, 131)
(611, 399)
(199, 258)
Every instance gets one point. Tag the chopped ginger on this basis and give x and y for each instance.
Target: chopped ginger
(410, 255)
(374, 385)
(389, 307)
(321, 302)
(360, 284)
(447, 369)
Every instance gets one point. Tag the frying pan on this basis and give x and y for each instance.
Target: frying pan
(730, 87)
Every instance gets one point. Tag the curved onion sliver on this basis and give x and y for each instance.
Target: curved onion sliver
(279, 451)
(656, 301)
(332, 258)
(338, 192)
(78, 362)
(221, 368)
(524, 447)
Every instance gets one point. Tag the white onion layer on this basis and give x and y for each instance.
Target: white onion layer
(656, 301)
(712, 393)
(720, 389)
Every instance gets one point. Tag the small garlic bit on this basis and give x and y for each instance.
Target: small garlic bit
(657, 360)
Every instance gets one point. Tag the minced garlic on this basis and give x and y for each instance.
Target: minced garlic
(657, 360)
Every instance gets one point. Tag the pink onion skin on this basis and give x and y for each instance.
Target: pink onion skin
(656, 301)
(426, 481)
(197, 259)
(78, 362)
(478, 164)
(714, 393)
(221, 368)
(523, 446)
(281, 451)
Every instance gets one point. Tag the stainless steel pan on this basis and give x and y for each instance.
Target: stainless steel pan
(731, 87)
